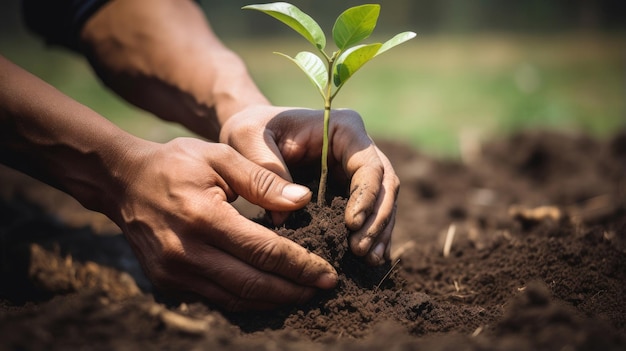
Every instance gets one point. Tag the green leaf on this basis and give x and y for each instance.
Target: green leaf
(355, 24)
(396, 40)
(294, 18)
(313, 66)
(352, 60)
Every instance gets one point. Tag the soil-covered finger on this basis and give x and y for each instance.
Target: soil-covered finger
(247, 284)
(364, 191)
(361, 241)
(263, 249)
(224, 299)
(376, 226)
(380, 250)
(284, 257)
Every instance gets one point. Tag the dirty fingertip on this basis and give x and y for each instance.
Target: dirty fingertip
(327, 281)
(364, 245)
(356, 221)
(376, 256)
(279, 217)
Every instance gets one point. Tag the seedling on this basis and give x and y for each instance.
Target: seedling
(329, 73)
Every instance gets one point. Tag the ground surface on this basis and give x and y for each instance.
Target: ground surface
(537, 226)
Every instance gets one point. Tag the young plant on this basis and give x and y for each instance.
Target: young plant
(329, 73)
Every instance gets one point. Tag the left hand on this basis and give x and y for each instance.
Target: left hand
(278, 137)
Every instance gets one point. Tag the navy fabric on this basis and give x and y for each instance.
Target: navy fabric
(59, 21)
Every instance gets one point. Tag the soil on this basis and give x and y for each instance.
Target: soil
(536, 260)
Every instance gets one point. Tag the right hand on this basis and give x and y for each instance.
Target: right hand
(175, 213)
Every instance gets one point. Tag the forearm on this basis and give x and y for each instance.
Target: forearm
(162, 56)
(49, 136)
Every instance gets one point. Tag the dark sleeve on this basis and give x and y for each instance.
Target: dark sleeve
(59, 22)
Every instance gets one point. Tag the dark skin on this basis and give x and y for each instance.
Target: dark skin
(172, 200)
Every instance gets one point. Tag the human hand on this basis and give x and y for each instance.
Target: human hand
(176, 215)
(278, 138)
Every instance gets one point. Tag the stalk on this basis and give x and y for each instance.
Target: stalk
(321, 191)
(328, 98)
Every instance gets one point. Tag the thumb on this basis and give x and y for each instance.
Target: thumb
(262, 187)
(269, 158)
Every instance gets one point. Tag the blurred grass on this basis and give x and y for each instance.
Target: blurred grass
(429, 92)
(432, 91)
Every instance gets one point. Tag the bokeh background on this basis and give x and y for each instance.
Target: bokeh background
(477, 70)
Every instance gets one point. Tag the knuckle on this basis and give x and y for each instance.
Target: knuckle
(268, 256)
(188, 211)
(359, 250)
(263, 182)
(222, 151)
(302, 274)
(348, 122)
(242, 131)
(362, 241)
(378, 228)
(348, 116)
(251, 288)
(355, 244)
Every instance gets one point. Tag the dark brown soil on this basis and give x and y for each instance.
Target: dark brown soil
(537, 262)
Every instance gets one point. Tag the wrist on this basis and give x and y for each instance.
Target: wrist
(48, 136)
(233, 88)
(102, 183)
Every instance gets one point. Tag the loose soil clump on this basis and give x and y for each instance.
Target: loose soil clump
(537, 262)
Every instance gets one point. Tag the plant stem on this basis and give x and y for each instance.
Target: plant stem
(328, 99)
(321, 191)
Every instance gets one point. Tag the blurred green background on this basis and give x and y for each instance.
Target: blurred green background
(477, 69)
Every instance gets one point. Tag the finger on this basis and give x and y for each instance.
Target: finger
(366, 171)
(381, 249)
(228, 301)
(244, 282)
(270, 158)
(384, 213)
(219, 296)
(357, 153)
(259, 185)
(266, 154)
(361, 240)
(265, 250)
(258, 147)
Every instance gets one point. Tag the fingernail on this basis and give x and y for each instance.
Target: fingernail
(279, 217)
(379, 250)
(327, 281)
(376, 255)
(295, 193)
(358, 220)
(365, 244)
